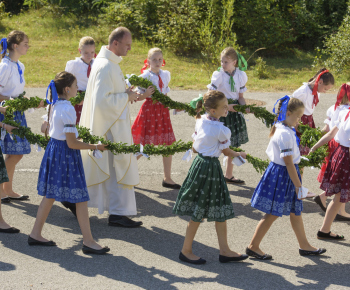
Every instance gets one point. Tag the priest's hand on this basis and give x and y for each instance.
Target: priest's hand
(132, 95)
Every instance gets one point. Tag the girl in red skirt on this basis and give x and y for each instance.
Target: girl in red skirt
(336, 178)
(309, 94)
(333, 114)
(152, 124)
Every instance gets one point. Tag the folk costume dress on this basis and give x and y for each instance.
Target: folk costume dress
(152, 124)
(12, 85)
(232, 85)
(61, 174)
(337, 174)
(204, 193)
(304, 94)
(81, 70)
(275, 193)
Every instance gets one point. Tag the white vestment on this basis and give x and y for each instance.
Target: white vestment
(110, 179)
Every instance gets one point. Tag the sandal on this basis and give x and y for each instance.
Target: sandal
(234, 181)
(327, 236)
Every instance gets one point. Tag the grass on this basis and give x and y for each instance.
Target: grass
(54, 41)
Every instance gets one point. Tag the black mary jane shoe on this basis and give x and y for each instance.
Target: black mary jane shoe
(327, 236)
(5, 200)
(123, 221)
(341, 218)
(251, 253)
(88, 250)
(22, 197)
(183, 258)
(71, 206)
(11, 230)
(34, 242)
(317, 199)
(234, 181)
(225, 259)
(319, 251)
(172, 186)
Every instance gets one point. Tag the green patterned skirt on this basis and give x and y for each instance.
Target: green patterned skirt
(3, 172)
(204, 193)
(236, 123)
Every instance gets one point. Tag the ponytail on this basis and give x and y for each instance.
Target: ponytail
(273, 129)
(327, 77)
(199, 109)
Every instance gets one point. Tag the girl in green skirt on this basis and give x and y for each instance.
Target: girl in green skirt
(231, 79)
(204, 193)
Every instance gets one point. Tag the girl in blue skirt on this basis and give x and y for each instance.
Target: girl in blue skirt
(61, 175)
(204, 193)
(276, 193)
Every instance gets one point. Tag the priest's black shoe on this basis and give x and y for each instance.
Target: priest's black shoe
(71, 206)
(88, 250)
(122, 221)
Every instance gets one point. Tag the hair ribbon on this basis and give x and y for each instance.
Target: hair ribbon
(283, 110)
(344, 90)
(3, 41)
(194, 102)
(315, 88)
(54, 94)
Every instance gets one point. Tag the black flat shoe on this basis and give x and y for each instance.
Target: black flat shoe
(22, 197)
(183, 258)
(341, 218)
(172, 186)
(122, 221)
(34, 242)
(71, 206)
(310, 253)
(88, 250)
(5, 200)
(234, 181)
(327, 236)
(11, 230)
(251, 253)
(225, 259)
(317, 199)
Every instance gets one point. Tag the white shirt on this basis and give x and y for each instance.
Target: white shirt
(329, 114)
(10, 84)
(79, 69)
(220, 81)
(62, 120)
(153, 77)
(283, 143)
(343, 135)
(210, 137)
(304, 94)
(338, 115)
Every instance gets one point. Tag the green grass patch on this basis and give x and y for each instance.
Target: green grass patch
(54, 40)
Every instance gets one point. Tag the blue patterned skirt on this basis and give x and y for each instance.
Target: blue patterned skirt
(15, 145)
(275, 193)
(61, 174)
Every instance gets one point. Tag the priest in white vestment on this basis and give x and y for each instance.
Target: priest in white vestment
(111, 179)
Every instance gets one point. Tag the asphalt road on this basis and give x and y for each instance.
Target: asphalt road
(147, 257)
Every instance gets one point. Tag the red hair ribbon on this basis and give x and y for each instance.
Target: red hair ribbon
(344, 90)
(163, 64)
(314, 91)
(146, 65)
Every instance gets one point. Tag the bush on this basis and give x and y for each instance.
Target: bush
(13, 6)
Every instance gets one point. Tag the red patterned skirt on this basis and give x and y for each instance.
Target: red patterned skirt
(306, 120)
(337, 175)
(153, 125)
(332, 145)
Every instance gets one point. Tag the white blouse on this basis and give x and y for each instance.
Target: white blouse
(79, 69)
(304, 94)
(329, 114)
(220, 81)
(343, 135)
(62, 120)
(283, 143)
(10, 84)
(210, 137)
(153, 77)
(338, 115)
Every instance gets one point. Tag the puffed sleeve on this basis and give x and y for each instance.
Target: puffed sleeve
(166, 82)
(69, 117)
(216, 80)
(224, 137)
(243, 80)
(347, 127)
(69, 66)
(4, 75)
(285, 143)
(194, 135)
